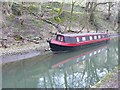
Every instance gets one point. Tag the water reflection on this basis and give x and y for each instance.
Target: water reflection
(78, 69)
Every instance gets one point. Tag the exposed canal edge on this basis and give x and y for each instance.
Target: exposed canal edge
(36, 49)
(110, 80)
(43, 54)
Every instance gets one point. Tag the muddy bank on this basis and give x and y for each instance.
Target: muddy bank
(16, 53)
(24, 48)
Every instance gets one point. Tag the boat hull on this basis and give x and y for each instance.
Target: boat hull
(60, 48)
(55, 47)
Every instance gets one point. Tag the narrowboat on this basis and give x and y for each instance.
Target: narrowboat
(68, 42)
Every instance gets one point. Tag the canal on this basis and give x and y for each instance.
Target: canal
(78, 69)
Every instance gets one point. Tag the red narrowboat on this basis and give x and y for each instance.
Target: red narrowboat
(67, 42)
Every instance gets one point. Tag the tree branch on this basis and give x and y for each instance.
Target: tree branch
(47, 21)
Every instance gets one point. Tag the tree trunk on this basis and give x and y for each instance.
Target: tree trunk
(109, 11)
(119, 33)
(72, 9)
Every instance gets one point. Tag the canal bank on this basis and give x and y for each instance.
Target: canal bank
(111, 80)
(24, 51)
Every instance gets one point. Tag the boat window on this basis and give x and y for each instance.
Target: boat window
(60, 38)
(80, 39)
(106, 35)
(73, 39)
(83, 38)
(95, 37)
(103, 36)
(70, 39)
(99, 36)
(91, 38)
(77, 39)
(87, 38)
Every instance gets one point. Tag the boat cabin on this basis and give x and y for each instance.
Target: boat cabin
(67, 42)
(75, 38)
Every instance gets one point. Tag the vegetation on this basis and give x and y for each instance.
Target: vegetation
(46, 19)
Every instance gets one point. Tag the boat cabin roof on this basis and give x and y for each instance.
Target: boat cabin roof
(82, 34)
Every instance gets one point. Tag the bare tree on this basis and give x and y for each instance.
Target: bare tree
(119, 31)
(71, 13)
(91, 8)
(109, 10)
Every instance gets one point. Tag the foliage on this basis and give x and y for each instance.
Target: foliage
(18, 38)
(16, 9)
(58, 18)
(33, 8)
(61, 8)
